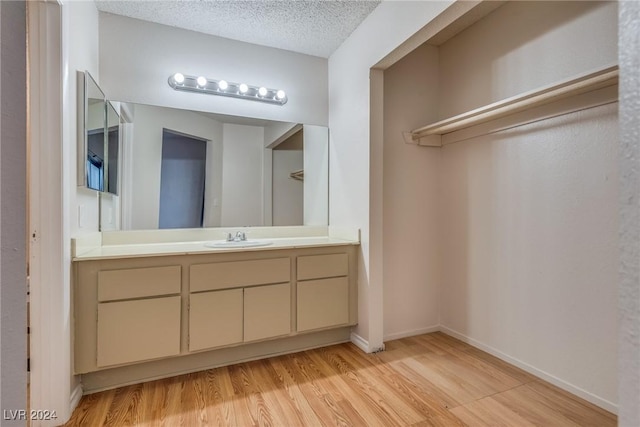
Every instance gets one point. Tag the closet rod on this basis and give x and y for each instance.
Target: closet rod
(430, 134)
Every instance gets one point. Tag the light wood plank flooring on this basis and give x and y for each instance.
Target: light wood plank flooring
(428, 380)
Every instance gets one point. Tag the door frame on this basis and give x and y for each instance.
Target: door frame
(49, 175)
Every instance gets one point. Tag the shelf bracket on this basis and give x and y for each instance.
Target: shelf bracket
(422, 141)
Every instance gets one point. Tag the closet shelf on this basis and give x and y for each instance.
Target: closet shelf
(430, 135)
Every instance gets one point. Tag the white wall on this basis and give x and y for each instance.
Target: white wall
(13, 162)
(411, 222)
(528, 216)
(138, 57)
(242, 185)
(82, 52)
(629, 157)
(81, 205)
(316, 175)
(390, 24)
(146, 161)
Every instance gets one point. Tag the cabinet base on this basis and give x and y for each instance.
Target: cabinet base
(148, 371)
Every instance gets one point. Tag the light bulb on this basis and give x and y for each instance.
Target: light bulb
(262, 91)
(178, 78)
(243, 88)
(280, 94)
(202, 82)
(223, 85)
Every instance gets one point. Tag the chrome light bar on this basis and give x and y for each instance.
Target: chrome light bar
(179, 81)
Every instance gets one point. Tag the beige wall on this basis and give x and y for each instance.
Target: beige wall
(509, 238)
(529, 219)
(354, 183)
(522, 46)
(529, 246)
(411, 189)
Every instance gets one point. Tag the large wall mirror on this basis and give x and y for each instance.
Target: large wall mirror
(190, 169)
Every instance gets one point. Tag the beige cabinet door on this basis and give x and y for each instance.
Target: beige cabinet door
(215, 319)
(267, 311)
(136, 330)
(322, 303)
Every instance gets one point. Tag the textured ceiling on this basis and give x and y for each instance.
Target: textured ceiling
(315, 27)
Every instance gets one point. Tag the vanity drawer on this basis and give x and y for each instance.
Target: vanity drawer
(322, 303)
(138, 283)
(222, 275)
(320, 266)
(133, 331)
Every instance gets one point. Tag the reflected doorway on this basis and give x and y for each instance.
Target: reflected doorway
(182, 181)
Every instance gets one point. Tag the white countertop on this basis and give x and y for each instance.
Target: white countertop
(198, 247)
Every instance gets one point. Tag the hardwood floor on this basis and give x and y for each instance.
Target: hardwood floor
(428, 380)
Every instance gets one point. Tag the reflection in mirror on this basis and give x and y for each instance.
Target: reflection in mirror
(288, 180)
(109, 200)
(182, 180)
(191, 169)
(93, 163)
(113, 148)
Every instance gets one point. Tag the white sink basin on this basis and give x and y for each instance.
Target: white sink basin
(238, 244)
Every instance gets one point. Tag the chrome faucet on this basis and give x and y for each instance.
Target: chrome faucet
(239, 237)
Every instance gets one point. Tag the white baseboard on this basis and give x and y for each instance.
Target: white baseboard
(411, 333)
(76, 395)
(589, 397)
(360, 342)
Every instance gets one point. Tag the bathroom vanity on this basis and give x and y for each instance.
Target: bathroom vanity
(149, 310)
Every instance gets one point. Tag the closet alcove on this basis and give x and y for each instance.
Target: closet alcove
(500, 225)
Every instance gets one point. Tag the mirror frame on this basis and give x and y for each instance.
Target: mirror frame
(84, 79)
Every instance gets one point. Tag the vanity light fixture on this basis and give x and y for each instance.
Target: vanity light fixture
(179, 78)
(201, 81)
(179, 81)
